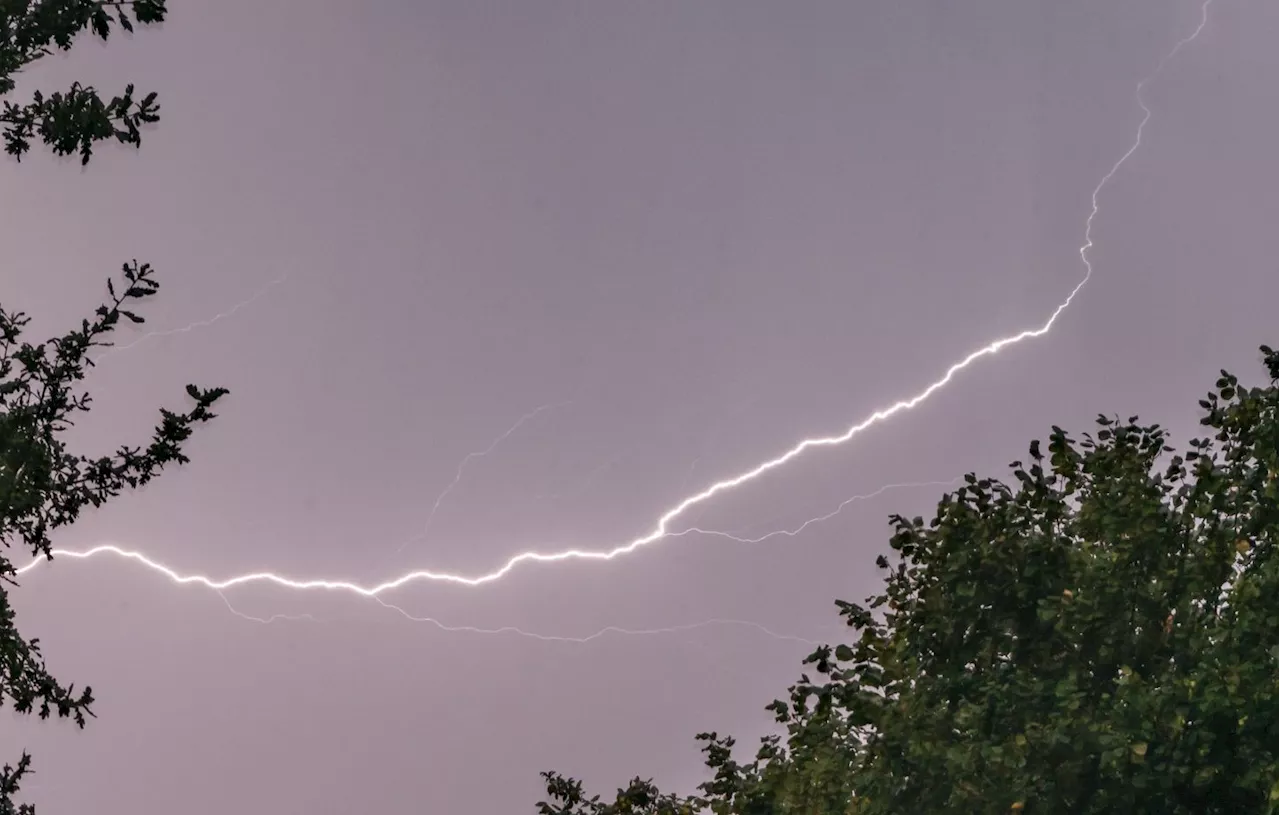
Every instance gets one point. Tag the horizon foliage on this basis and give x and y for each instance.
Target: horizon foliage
(1100, 637)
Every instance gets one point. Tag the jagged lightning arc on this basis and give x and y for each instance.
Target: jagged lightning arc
(661, 528)
(613, 629)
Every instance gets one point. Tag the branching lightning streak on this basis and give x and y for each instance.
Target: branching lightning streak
(791, 533)
(612, 629)
(265, 620)
(511, 629)
(222, 315)
(714, 435)
(462, 466)
(336, 585)
(661, 528)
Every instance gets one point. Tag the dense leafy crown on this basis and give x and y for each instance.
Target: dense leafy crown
(1100, 637)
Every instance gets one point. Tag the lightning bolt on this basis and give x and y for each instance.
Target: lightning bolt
(612, 629)
(462, 466)
(791, 533)
(222, 315)
(661, 528)
(713, 436)
(265, 620)
(338, 585)
(511, 629)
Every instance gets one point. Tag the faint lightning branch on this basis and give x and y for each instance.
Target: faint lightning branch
(265, 620)
(612, 629)
(791, 533)
(510, 629)
(222, 315)
(684, 482)
(661, 528)
(462, 466)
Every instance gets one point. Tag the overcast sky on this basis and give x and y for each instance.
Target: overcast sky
(693, 233)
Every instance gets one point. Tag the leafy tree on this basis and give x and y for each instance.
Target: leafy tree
(1099, 638)
(70, 121)
(43, 486)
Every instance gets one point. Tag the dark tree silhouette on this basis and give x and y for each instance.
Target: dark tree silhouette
(69, 121)
(1100, 637)
(43, 486)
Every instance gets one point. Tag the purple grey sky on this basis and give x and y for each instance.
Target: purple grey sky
(712, 229)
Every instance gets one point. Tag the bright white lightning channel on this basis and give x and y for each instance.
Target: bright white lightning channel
(662, 528)
(613, 629)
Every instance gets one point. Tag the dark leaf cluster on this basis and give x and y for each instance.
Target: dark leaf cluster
(72, 121)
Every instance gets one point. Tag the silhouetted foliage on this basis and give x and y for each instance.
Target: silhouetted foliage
(1099, 638)
(69, 121)
(43, 486)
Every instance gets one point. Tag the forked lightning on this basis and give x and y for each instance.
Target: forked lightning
(663, 526)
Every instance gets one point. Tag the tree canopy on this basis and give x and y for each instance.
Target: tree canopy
(1099, 636)
(74, 120)
(44, 486)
